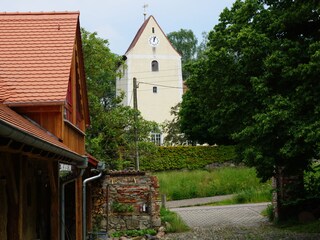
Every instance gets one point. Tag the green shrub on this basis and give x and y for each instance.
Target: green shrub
(186, 157)
(173, 220)
(134, 233)
(312, 180)
(121, 207)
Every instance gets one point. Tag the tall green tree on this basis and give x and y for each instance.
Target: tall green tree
(185, 42)
(173, 135)
(258, 85)
(110, 138)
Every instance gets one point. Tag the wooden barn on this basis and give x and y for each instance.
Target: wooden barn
(43, 117)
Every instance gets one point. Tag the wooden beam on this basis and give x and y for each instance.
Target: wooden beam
(78, 200)
(52, 177)
(21, 194)
(9, 166)
(3, 209)
(55, 201)
(37, 109)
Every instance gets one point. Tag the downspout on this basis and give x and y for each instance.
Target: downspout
(63, 218)
(84, 200)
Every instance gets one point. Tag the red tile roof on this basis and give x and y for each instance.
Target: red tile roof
(36, 53)
(18, 122)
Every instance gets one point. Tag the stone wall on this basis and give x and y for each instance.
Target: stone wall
(126, 201)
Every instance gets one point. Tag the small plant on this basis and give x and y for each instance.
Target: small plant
(175, 223)
(268, 212)
(97, 222)
(121, 207)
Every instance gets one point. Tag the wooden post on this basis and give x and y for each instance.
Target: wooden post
(21, 197)
(55, 201)
(3, 209)
(163, 200)
(78, 200)
(12, 167)
(135, 106)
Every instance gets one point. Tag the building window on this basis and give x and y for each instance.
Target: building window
(155, 89)
(154, 66)
(156, 138)
(152, 29)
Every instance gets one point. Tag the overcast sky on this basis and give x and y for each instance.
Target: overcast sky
(119, 20)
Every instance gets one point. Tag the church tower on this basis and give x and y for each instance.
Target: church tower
(156, 66)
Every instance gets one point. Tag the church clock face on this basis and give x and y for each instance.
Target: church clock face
(153, 40)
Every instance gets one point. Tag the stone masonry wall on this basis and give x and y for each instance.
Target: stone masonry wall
(126, 201)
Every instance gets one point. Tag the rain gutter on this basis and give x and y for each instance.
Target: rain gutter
(12, 132)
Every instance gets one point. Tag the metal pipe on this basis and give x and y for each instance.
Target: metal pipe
(84, 204)
(62, 213)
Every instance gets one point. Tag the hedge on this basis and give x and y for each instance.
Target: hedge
(186, 157)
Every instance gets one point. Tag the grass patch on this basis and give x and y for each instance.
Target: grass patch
(173, 220)
(254, 195)
(293, 226)
(201, 183)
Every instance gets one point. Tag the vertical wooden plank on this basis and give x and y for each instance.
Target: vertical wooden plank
(20, 202)
(89, 207)
(3, 209)
(78, 200)
(21, 199)
(52, 177)
(55, 210)
(14, 191)
(12, 166)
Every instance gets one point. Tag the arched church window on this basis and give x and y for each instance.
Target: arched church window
(154, 66)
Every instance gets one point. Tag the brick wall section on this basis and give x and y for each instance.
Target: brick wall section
(126, 201)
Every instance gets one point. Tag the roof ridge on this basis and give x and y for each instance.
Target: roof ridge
(40, 13)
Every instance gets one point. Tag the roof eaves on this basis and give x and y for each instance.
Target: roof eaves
(15, 133)
(35, 103)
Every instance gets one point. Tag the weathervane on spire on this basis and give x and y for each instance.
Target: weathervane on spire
(144, 11)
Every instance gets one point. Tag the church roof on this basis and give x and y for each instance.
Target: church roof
(36, 54)
(141, 30)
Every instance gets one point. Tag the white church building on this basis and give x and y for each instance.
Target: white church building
(156, 66)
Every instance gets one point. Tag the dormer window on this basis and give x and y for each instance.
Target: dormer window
(154, 66)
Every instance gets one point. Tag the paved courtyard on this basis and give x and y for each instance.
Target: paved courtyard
(241, 215)
(241, 222)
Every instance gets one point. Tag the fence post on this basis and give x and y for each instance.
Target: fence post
(163, 200)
